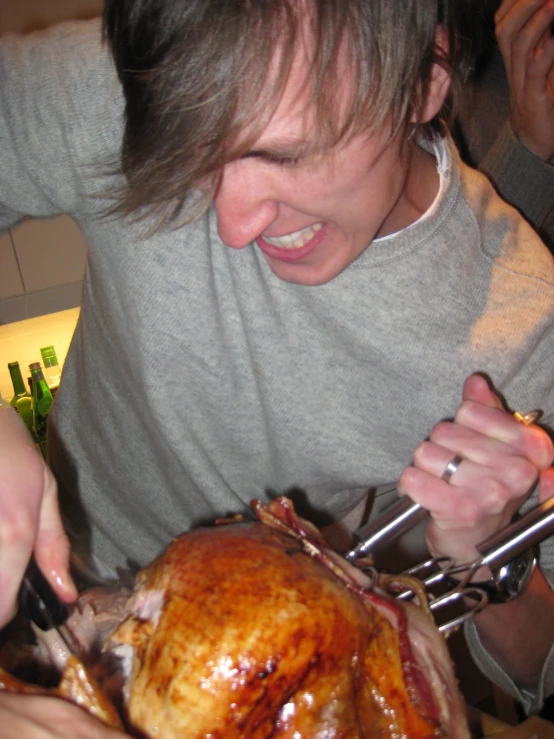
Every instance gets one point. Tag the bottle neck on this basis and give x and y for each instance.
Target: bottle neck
(17, 379)
(42, 397)
(37, 375)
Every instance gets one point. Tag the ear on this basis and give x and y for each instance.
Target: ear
(439, 82)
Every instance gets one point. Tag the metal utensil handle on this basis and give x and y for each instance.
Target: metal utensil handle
(395, 521)
(519, 536)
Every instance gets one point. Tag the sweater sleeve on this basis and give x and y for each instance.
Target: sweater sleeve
(531, 702)
(520, 177)
(55, 88)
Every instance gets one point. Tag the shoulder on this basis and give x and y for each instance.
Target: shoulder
(55, 49)
(506, 238)
(79, 37)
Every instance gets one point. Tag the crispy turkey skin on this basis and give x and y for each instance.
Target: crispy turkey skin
(256, 630)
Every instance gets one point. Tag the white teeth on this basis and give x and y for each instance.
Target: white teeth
(294, 240)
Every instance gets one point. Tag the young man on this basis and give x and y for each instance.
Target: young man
(291, 280)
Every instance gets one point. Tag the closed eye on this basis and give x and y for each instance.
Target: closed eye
(285, 161)
(274, 157)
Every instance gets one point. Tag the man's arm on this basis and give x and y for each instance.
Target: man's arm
(502, 460)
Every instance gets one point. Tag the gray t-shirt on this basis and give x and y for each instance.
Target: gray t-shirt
(197, 380)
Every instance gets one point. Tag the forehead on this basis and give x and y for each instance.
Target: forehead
(300, 107)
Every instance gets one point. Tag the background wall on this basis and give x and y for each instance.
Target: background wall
(28, 15)
(21, 342)
(42, 261)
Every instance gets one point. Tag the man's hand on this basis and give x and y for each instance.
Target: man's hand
(39, 717)
(502, 461)
(525, 40)
(29, 517)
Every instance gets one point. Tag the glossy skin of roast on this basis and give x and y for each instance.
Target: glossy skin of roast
(237, 632)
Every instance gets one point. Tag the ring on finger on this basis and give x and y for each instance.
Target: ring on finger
(451, 467)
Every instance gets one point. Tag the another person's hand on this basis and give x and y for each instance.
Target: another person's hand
(525, 40)
(502, 461)
(30, 520)
(39, 717)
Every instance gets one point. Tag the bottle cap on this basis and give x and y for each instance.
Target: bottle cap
(34, 366)
(49, 356)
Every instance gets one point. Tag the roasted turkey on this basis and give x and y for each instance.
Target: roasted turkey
(255, 630)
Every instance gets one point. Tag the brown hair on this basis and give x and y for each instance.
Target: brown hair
(195, 74)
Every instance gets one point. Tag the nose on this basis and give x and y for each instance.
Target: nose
(244, 210)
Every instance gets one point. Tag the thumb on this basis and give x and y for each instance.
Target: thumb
(477, 388)
(52, 545)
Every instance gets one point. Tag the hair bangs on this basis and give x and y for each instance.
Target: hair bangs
(202, 79)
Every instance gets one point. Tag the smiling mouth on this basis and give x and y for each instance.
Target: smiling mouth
(295, 240)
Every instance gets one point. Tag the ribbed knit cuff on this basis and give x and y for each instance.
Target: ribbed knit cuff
(520, 177)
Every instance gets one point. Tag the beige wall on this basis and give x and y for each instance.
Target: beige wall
(21, 342)
(26, 15)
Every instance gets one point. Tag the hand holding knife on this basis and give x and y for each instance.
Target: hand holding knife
(41, 605)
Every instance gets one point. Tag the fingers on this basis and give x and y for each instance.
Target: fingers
(52, 545)
(492, 424)
(20, 493)
(523, 33)
(512, 15)
(523, 30)
(29, 517)
(39, 717)
(477, 388)
(501, 462)
(522, 44)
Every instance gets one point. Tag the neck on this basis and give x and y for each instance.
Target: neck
(418, 192)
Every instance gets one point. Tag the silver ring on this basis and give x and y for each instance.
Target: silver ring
(451, 467)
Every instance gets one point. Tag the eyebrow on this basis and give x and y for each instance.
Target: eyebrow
(286, 149)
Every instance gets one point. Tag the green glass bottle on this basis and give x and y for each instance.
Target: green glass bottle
(51, 371)
(42, 400)
(22, 400)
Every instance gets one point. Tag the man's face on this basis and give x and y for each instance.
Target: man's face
(312, 216)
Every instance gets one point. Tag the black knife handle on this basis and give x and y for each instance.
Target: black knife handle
(39, 602)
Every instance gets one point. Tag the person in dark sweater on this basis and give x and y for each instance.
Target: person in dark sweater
(505, 121)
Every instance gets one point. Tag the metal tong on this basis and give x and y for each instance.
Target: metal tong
(496, 552)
